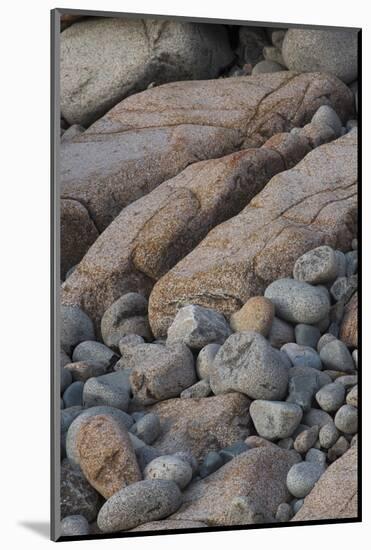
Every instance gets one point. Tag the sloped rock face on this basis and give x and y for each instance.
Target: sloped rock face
(132, 54)
(335, 494)
(151, 235)
(153, 135)
(312, 204)
(259, 473)
(201, 425)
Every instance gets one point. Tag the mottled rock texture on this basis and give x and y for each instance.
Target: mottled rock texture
(314, 203)
(349, 325)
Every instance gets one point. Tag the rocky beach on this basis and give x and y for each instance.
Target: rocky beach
(209, 270)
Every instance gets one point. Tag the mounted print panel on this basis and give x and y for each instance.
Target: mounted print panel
(205, 314)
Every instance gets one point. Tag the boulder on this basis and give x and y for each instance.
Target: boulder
(153, 135)
(201, 425)
(335, 496)
(106, 455)
(133, 53)
(259, 473)
(314, 203)
(329, 51)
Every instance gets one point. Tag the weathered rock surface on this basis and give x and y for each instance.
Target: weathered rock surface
(349, 325)
(201, 425)
(329, 51)
(149, 236)
(312, 204)
(152, 136)
(106, 454)
(165, 524)
(77, 496)
(335, 494)
(133, 53)
(259, 473)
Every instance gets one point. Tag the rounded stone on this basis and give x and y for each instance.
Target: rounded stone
(147, 428)
(336, 356)
(74, 525)
(66, 379)
(281, 333)
(346, 419)
(319, 265)
(326, 115)
(169, 467)
(296, 505)
(200, 389)
(302, 356)
(141, 502)
(197, 326)
(327, 51)
(212, 462)
(275, 419)
(298, 302)
(325, 339)
(83, 370)
(248, 364)
(128, 315)
(302, 477)
(352, 397)
(338, 449)
(110, 389)
(316, 417)
(187, 456)
(331, 397)
(73, 395)
(256, 315)
(328, 435)
(266, 66)
(284, 512)
(306, 439)
(130, 340)
(307, 335)
(76, 327)
(71, 447)
(106, 455)
(94, 351)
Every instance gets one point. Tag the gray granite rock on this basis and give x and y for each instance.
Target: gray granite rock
(302, 389)
(281, 333)
(352, 397)
(319, 265)
(284, 512)
(344, 287)
(198, 326)
(321, 377)
(316, 456)
(339, 448)
(83, 370)
(328, 435)
(73, 395)
(228, 453)
(138, 503)
(212, 462)
(188, 456)
(127, 315)
(297, 301)
(205, 359)
(328, 51)
(74, 526)
(130, 340)
(336, 356)
(331, 397)
(248, 364)
(169, 467)
(307, 335)
(95, 351)
(352, 262)
(348, 381)
(76, 327)
(110, 389)
(147, 428)
(302, 356)
(267, 66)
(275, 419)
(325, 339)
(316, 417)
(327, 115)
(346, 419)
(297, 504)
(302, 477)
(306, 439)
(159, 372)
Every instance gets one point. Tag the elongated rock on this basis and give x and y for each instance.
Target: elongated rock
(150, 236)
(312, 204)
(151, 136)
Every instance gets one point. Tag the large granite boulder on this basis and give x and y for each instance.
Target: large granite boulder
(335, 495)
(312, 204)
(201, 425)
(106, 59)
(153, 135)
(259, 473)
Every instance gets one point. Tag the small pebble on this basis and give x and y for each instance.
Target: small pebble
(297, 504)
(205, 359)
(233, 450)
(327, 115)
(302, 390)
(66, 379)
(111, 389)
(316, 417)
(320, 264)
(347, 381)
(307, 335)
(170, 468)
(286, 443)
(96, 352)
(284, 512)
(352, 397)
(328, 435)
(83, 370)
(73, 394)
(341, 263)
(302, 477)
(316, 457)
(352, 262)
(74, 525)
(130, 340)
(147, 428)
(306, 439)
(212, 462)
(338, 449)
(346, 419)
(187, 456)
(302, 356)
(281, 333)
(344, 287)
(331, 397)
(336, 356)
